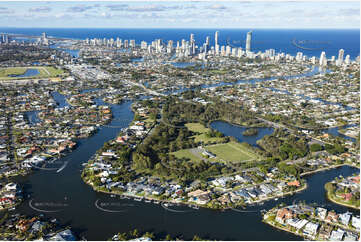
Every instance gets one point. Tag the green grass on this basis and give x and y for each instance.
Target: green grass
(202, 137)
(219, 71)
(228, 152)
(186, 154)
(4, 72)
(197, 127)
(233, 152)
(44, 72)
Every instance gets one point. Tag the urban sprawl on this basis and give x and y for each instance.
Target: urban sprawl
(55, 91)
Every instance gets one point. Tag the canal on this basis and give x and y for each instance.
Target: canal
(79, 208)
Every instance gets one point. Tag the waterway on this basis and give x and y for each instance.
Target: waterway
(335, 131)
(73, 53)
(237, 131)
(81, 213)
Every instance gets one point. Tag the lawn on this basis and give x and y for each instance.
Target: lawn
(44, 72)
(202, 137)
(197, 127)
(232, 151)
(186, 154)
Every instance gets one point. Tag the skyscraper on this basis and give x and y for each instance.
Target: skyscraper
(340, 57)
(216, 39)
(207, 41)
(248, 41)
(323, 60)
(192, 44)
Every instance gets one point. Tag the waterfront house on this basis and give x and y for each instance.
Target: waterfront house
(294, 183)
(283, 214)
(11, 186)
(321, 212)
(332, 217)
(65, 235)
(345, 218)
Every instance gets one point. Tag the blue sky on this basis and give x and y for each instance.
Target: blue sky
(181, 14)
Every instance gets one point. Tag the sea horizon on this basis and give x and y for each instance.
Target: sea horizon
(314, 40)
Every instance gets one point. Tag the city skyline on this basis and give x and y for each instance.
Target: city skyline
(188, 14)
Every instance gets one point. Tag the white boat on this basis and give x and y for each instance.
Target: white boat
(195, 207)
(138, 199)
(148, 201)
(112, 195)
(276, 198)
(156, 202)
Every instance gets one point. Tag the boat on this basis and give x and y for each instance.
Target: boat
(156, 202)
(11, 209)
(166, 204)
(147, 201)
(112, 195)
(138, 199)
(276, 198)
(195, 207)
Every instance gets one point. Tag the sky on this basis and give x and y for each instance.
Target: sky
(181, 14)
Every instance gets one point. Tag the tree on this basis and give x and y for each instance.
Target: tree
(149, 235)
(135, 233)
(196, 238)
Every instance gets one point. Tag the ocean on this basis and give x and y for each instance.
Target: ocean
(310, 42)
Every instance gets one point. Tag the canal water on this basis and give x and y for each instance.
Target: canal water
(80, 210)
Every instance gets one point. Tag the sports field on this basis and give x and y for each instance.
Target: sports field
(44, 72)
(202, 136)
(233, 152)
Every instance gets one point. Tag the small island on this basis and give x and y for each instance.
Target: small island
(250, 132)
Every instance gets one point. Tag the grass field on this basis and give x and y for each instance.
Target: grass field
(202, 137)
(186, 154)
(232, 151)
(44, 72)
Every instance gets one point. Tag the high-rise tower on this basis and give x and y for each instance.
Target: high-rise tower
(323, 60)
(340, 57)
(216, 39)
(248, 41)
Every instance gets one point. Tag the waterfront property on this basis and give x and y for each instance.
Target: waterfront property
(314, 223)
(345, 191)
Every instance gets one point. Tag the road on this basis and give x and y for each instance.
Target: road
(281, 126)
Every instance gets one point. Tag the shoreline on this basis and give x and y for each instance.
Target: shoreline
(283, 229)
(223, 208)
(199, 205)
(328, 195)
(327, 168)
